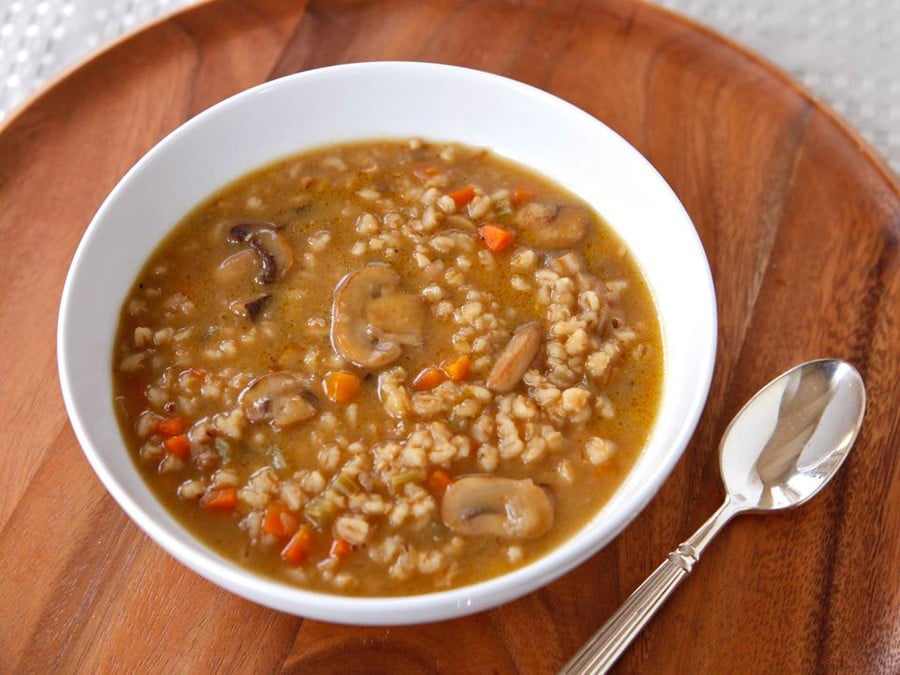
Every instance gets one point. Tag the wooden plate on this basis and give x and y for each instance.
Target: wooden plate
(800, 222)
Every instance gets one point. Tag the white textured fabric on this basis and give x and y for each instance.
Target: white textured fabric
(846, 52)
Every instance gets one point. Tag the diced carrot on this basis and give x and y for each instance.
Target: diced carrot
(279, 521)
(219, 499)
(463, 196)
(340, 548)
(439, 481)
(341, 386)
(300, 546)
(423, 173)
(520, 195)
(457, 369)
(495, 237)
(171, 426)
(428, 379)
(179, 446)
(199, 373)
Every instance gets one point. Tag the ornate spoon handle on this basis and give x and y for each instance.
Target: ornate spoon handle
(608, 643)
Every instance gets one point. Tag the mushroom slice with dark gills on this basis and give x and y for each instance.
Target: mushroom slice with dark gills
(281, 398)
(372, 318)
(273, 251)
(497, 507)
(553, 227)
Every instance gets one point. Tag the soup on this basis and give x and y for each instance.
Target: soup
(387, 368)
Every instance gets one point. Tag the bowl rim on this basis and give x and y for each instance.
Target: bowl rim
(396, 610)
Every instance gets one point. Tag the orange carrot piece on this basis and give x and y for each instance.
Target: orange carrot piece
(179, 445)
(457, 369)
(520, 195)
(219, 499)
(439, 481)
(495, 237)
(428, 379)
(341, 386)
(463, 196)
(279, 521)
(340, 548)
(300, 546)
(171, 426)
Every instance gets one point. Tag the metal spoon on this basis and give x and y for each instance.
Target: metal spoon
(778, 451)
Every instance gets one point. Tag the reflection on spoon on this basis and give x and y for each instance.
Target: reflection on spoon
(802, 405)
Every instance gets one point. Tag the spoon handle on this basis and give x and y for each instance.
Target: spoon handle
(608, 643)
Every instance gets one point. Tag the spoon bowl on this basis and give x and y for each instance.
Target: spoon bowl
(783, 446)
(788, 441)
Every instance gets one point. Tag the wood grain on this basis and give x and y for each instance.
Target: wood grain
(800, 221)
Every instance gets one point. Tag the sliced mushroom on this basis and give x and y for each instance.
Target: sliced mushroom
(515, 358)
(249, 307)
(396, 317)
(497, 507)
(281, 398)
(371, 317)
(274, 252)
(553, 227)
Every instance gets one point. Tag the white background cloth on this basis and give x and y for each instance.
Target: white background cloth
(846, 52)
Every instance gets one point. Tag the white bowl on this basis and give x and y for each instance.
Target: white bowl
(399, 100)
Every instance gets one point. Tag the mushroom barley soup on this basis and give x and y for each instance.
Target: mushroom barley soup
(387, 368)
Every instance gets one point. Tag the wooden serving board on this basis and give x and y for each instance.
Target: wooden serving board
(800, 221)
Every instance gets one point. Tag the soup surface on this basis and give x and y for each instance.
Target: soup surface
(387, 368)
